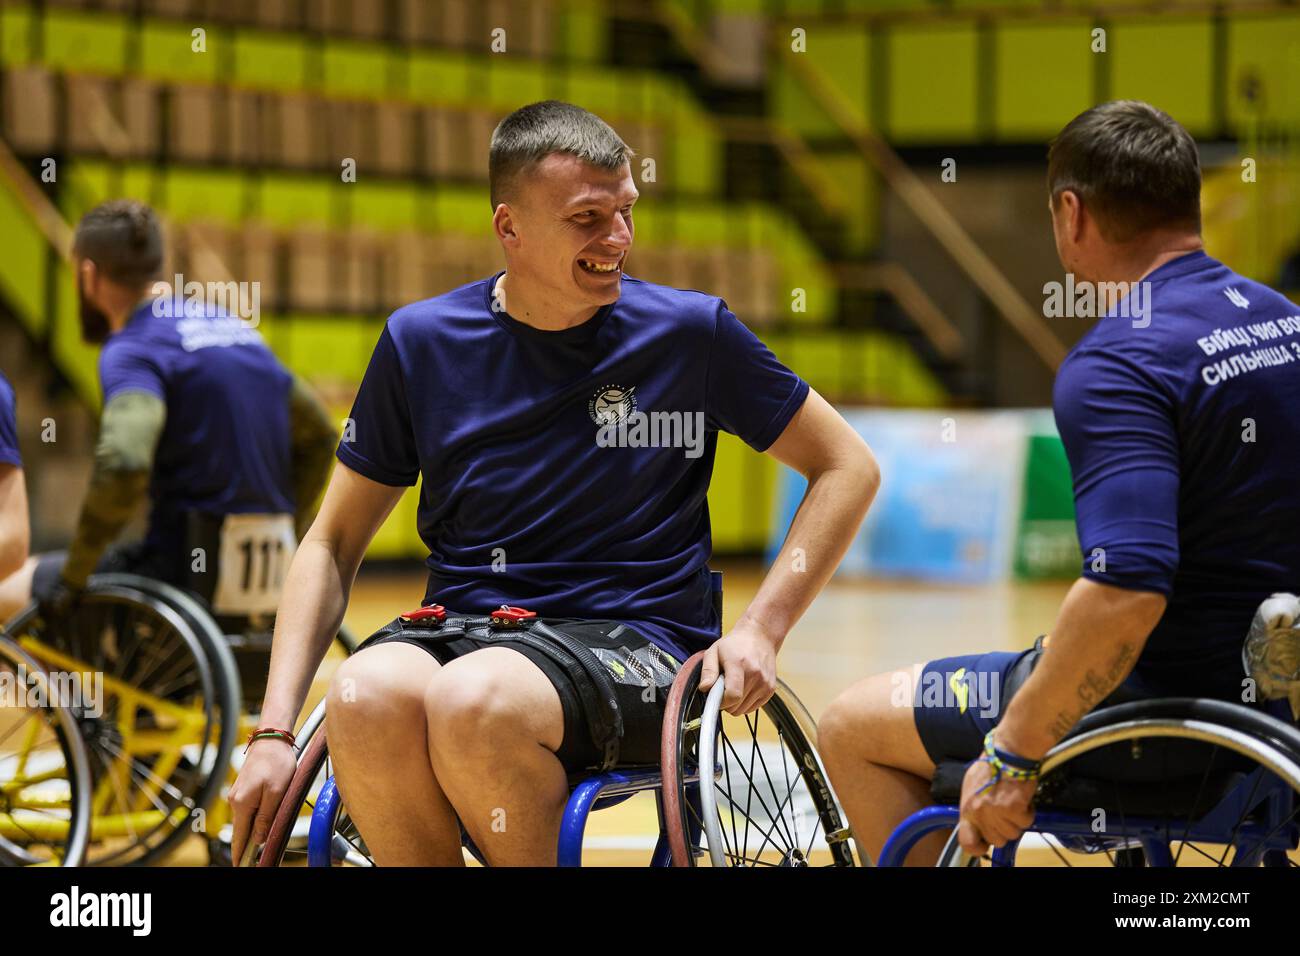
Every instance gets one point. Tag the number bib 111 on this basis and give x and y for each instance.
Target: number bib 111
(255, 555)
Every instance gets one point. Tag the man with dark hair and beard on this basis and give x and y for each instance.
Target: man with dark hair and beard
(230, 448)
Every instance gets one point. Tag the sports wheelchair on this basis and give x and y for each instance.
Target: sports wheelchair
(159, 741)
(1166, 782)
(766, 800)
(44, 767)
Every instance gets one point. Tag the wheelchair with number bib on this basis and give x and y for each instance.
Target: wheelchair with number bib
(180, 674)
(1164, 782)
(765, 799)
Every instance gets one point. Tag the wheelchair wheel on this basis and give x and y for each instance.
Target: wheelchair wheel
(161, 737)
(324, 835)
(769, 801)
(44, 768)
(1176, 782)
(219, 849)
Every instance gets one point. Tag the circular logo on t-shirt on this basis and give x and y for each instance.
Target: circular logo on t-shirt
(611, 404)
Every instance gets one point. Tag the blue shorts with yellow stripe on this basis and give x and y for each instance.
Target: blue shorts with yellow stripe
(958, 700)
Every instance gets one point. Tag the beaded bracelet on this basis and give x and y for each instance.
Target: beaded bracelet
(271, 732)
(1006, 765)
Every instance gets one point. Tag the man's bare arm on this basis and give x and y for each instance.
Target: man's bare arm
(1098, 636)
(15, 532)
(842, 481)
(317, 587)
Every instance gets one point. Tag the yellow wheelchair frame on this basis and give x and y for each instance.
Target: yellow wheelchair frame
(169, 718)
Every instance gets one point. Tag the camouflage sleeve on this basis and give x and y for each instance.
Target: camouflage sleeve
(312, 441)
(129, 430)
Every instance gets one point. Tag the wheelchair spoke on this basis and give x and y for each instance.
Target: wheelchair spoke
(791, 842)
(124, 803)
(1191, 810)
(12, 730)
(730, 847)
(1286, 821)
(1059, 855)
(1196, 849)
(789, 789)
(756, 858)
(158, 659)
(32, 837)
(778, 818)
(1123, 822)
(726, 770)
(1245, 812)
(146, 774)
(773, 830)
(749, 790)
(750, 794)
(168, 683)
(768, 837)
(135, 642)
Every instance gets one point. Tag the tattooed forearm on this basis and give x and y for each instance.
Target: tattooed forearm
(1094, 688)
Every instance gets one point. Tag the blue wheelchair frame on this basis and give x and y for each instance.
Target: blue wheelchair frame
(1267, 839)
(599, 792)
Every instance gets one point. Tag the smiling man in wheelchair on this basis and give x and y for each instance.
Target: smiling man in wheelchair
(1180, 415)
(562, 418)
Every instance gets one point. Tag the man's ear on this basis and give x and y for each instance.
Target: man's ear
(89, 276)
(1075, 214)
(503, 223)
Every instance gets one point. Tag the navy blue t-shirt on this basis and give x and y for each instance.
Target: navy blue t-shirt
(8, 426)
(225, 446)
(519, 503)
(1184, 442)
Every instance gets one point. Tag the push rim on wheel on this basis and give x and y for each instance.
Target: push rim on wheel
(285, 844)
(768, 801)
(160, 745)
(44, 772)
(1241, 808)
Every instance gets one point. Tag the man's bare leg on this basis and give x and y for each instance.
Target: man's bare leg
(495, 722)
(377, 733)
(16, 590)
(878, 766)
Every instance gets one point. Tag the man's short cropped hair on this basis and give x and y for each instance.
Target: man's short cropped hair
(1134, 167)
(531, 133)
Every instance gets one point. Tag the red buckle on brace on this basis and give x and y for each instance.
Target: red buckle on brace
(507, 616)
(433, 614)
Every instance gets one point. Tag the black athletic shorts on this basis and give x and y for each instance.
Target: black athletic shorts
(621, 679)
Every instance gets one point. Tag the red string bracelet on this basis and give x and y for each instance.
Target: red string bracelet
(274, 732)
